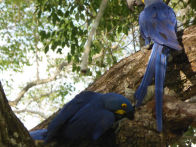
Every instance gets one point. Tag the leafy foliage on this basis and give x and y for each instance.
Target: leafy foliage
(14, 45)
(72, 21)
(193, 4)
(30, 30)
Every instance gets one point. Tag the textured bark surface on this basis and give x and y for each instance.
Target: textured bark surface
(12, 131)
(125, 77)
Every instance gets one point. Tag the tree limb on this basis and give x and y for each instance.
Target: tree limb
(37, 82)
(13, 133)
(87, 46)
(31, 111)
(124, 78)
(35, 44)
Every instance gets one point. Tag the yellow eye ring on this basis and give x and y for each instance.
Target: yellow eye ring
(124, 105)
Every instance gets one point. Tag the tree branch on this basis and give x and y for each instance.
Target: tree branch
(13, 132)
(87, 46)
(35, 44)
(31, 111)
(37, 82)
(178, 115)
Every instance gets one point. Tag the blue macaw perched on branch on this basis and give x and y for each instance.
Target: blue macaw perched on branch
(157, 23)
(88, 115)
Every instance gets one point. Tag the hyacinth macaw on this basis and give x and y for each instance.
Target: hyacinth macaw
(88, 115)
(157, 23)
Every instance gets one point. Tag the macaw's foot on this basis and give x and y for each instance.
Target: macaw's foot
(39, 142)
(169, 58)
(146, 47)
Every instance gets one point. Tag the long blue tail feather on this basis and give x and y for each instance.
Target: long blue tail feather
(160, 70)
(147, 79)
(156, 67)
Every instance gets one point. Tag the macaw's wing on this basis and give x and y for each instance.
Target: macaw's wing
(68, 111)
(38, 134)
(159, 23)
(106, 119)
(142, 28)
(90, 122)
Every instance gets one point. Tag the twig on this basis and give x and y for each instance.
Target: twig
(87, 46)
(31, 111)
(35, 83)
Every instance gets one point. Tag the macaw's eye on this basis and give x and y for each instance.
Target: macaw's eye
(124, 105)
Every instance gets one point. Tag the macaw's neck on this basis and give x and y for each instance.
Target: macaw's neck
(149, 2)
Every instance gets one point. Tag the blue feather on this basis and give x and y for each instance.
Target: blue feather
(157, 23)
(88, 115)
(147, 79)
(38, 134)
(68, 111)
(160, 70)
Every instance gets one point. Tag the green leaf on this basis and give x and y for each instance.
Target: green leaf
(59, 50)
(77, 16)
(119, 29)
(67, 14)
(69, 57)
(43, 35)
(74, 67)
(60, 13)
(54, 45)
(73, 49)
(82, 16)
(46, 48)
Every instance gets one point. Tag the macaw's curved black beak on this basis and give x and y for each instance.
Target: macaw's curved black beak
(129, 115)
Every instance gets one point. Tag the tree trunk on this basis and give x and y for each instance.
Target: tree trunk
(124, 78)
(178, 115)
(12, 131)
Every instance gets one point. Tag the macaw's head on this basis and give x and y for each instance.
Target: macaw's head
(118, 104)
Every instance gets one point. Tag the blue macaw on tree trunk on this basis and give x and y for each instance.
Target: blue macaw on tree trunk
(88, 115)
(157, 23)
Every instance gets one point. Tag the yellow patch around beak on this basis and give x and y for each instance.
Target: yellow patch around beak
(120, 111)
(143, 1)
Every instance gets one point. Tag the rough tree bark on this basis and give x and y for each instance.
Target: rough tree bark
(124, 78)
(180, 85)
(12, 131)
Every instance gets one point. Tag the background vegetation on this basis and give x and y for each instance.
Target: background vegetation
(42, 43)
